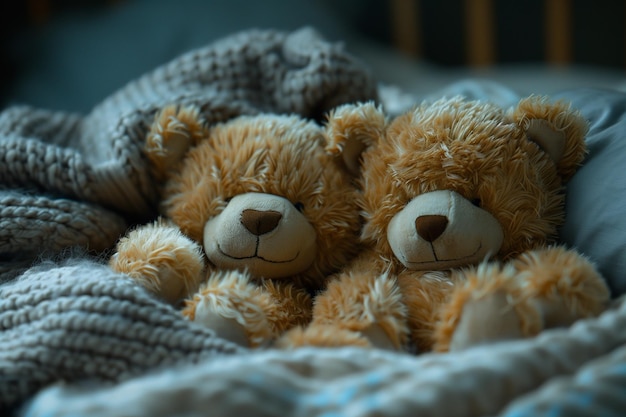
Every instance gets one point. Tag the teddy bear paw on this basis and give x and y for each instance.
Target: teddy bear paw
(378, 338)
(227, 328)
(320, 335)
(161, 259)
(486, 319)
(234, 308)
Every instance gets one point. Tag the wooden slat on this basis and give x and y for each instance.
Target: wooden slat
(480, 40)
(558, 26)
(405, 26)
(39, 11)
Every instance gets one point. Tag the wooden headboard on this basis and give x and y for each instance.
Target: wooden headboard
(487, 32)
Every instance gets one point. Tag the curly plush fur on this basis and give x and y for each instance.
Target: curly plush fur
(257, 216)
(461, 201)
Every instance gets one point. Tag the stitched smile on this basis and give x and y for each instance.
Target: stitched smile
(256, 256)
(480, 246)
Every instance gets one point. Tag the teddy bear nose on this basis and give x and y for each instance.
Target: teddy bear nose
(430, 227)
(260, 222)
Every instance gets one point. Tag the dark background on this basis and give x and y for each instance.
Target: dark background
(70, 54)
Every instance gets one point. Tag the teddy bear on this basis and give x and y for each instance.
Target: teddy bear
(462, 201)
(255, 216)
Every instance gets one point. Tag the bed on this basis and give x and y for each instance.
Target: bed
(77, 339)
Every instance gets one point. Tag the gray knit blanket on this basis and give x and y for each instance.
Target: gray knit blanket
(81, 321)
(77, 339)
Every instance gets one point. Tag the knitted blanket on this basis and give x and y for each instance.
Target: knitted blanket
(81, 321)
(74, 180)
(569, 373)
(80, 324)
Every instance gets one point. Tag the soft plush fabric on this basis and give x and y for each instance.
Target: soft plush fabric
(49, 158)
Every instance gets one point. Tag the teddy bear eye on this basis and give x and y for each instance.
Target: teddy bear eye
(299, 206)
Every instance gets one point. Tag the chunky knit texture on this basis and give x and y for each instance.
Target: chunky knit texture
(82, 321)
(96, 159)
(32, 226)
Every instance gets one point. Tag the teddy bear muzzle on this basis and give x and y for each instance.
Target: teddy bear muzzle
(262, 233)
(441, 230)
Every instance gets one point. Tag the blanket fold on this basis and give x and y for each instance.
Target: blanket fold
(96, 159)
(520, 378)
(32, 226)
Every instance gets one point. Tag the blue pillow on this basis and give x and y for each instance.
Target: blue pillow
(596, 195)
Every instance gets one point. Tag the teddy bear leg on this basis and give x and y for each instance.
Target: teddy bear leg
(539, 290)
(370, 306)
(563, 285)
(423, 296)
(235, 308)
(485, 307)
(291, 306)
(321, 335)
(162, 259)
(247, 314)
(484, 320)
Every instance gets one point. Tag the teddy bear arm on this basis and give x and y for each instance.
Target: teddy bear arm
(321, 335)
(364, 312)
(162, 259)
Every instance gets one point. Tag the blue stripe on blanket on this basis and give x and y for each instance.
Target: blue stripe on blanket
(339, 397)
(331, 400)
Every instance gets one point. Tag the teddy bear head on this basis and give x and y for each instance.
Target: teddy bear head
(454, 182)
(260, 193)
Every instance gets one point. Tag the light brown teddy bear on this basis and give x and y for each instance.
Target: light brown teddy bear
(257, 215)
(462, 201)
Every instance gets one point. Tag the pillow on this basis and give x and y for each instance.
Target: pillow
(596, 195)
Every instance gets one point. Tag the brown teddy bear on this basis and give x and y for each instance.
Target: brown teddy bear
(462, 201)
(257, 215)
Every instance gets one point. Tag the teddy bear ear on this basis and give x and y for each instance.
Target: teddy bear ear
(352, 128)
(174, 131)
(556, 128)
